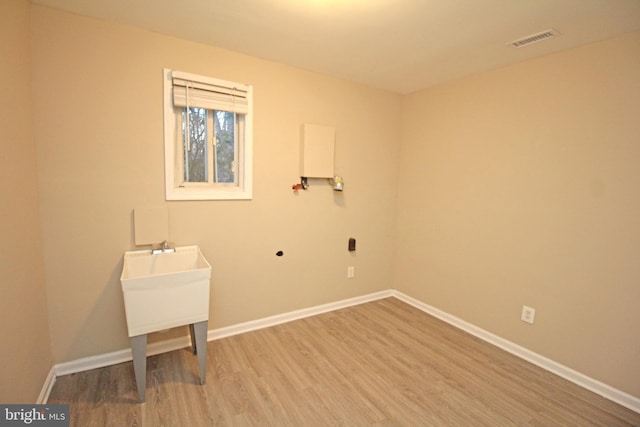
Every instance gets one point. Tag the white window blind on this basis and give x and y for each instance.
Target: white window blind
(190, 90)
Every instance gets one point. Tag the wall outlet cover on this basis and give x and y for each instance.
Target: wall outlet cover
(528, 314)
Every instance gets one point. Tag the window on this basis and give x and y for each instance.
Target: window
(207, 138)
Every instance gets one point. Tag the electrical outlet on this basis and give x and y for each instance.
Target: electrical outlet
(528, 314)
(351, 272)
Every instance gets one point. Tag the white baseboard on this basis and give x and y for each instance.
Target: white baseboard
(294, 315)
(47, 387)
(121, 356)
(604, 390)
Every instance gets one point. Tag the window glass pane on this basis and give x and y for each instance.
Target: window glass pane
(225, 154)
(194, 132)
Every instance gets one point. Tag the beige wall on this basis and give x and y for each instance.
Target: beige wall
(517, 186)
(522, 186)
(25, 355)
(98, 129)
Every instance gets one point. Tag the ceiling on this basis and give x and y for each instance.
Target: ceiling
(397, 45)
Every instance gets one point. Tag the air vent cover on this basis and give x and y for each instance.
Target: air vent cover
(534, 38)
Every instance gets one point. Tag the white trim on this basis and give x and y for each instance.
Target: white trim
(604, 390)
(294, 315)
(47, 387)
(121, 356)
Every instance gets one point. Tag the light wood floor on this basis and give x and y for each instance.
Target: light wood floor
(383, 363)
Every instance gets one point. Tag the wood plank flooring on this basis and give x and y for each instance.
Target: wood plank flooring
(382, 363)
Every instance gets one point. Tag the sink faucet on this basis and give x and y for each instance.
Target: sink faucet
(163, 247)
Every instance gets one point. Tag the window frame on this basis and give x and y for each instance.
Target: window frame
(175, 189)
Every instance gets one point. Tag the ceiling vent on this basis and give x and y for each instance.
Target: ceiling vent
(534, 38)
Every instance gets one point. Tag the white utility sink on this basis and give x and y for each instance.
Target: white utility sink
(164, 290)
